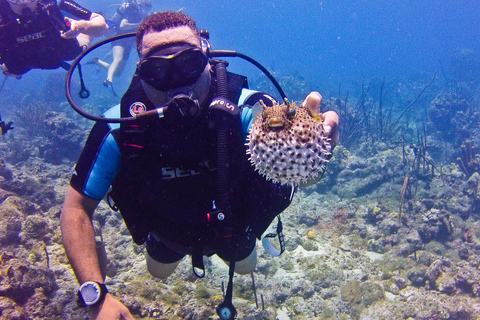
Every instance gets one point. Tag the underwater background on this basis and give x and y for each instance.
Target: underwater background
(391, 232)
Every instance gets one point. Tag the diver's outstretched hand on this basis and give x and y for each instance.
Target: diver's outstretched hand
(75, 28)
(112, 309)
(330, 118)
(94, 27)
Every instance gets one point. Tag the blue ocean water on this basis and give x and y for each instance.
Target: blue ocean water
(338, 40)
(326, 42)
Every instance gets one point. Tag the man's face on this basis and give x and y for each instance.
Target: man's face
(20, 5)
(180, 35)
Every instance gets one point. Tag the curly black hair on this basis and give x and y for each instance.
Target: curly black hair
(160, 21)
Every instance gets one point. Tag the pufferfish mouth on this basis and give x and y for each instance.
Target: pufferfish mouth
(276, 123)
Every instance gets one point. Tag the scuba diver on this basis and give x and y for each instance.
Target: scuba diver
(181, 179)
(34, 34)
(126, 19)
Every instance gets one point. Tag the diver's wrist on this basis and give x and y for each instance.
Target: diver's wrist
(91, 293)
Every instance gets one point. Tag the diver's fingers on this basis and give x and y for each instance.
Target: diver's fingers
(330, 118)
(330, 124)
(74, 28)
(312, 103)
(70, 34)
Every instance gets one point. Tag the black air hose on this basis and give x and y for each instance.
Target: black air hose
(222, 81)
(226, 309)
(222, 149)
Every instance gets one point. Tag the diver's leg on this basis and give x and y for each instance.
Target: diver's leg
(246, 265)
(102, 63)
(161, 260)
(117, 52)
(84, 40)
(159, 269)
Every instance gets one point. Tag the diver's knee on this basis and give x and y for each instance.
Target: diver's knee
(248, 264)
(84, 40)
(159, 269)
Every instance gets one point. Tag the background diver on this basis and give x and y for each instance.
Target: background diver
(126, 19)
(34, 34)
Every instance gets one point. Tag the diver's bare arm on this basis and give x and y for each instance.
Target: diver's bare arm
(79, 241)
(79, 236)
(126, 26)
(95, 27)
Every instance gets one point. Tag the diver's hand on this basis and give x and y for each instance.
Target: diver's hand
(330, 118)
(111, 309)
(75, 28)
(95, 27)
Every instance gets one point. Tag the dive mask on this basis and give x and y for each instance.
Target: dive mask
(172, 67)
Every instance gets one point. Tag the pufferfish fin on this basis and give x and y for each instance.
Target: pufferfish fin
(257, 110)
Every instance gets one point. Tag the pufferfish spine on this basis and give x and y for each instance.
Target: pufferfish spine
(287, 144)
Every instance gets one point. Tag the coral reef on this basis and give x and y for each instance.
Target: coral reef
(453, 116)
(392, 231)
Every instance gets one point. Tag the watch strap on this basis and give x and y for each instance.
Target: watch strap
(103, 293)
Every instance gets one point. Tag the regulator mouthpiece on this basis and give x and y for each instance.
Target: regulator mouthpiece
(184, 105)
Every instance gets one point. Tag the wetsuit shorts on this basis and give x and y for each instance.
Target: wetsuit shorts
(162, 252)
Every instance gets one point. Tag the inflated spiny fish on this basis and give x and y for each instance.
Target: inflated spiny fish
(287, 144)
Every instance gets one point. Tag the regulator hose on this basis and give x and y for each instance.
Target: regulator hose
(159, 111)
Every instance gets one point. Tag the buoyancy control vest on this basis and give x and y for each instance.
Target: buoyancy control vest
(167, 180)
(33, 40)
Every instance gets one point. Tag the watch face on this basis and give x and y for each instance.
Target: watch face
(90, 292)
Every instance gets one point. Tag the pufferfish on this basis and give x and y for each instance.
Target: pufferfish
(287, 144)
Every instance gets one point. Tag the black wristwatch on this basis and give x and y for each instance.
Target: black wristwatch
(91, 293)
